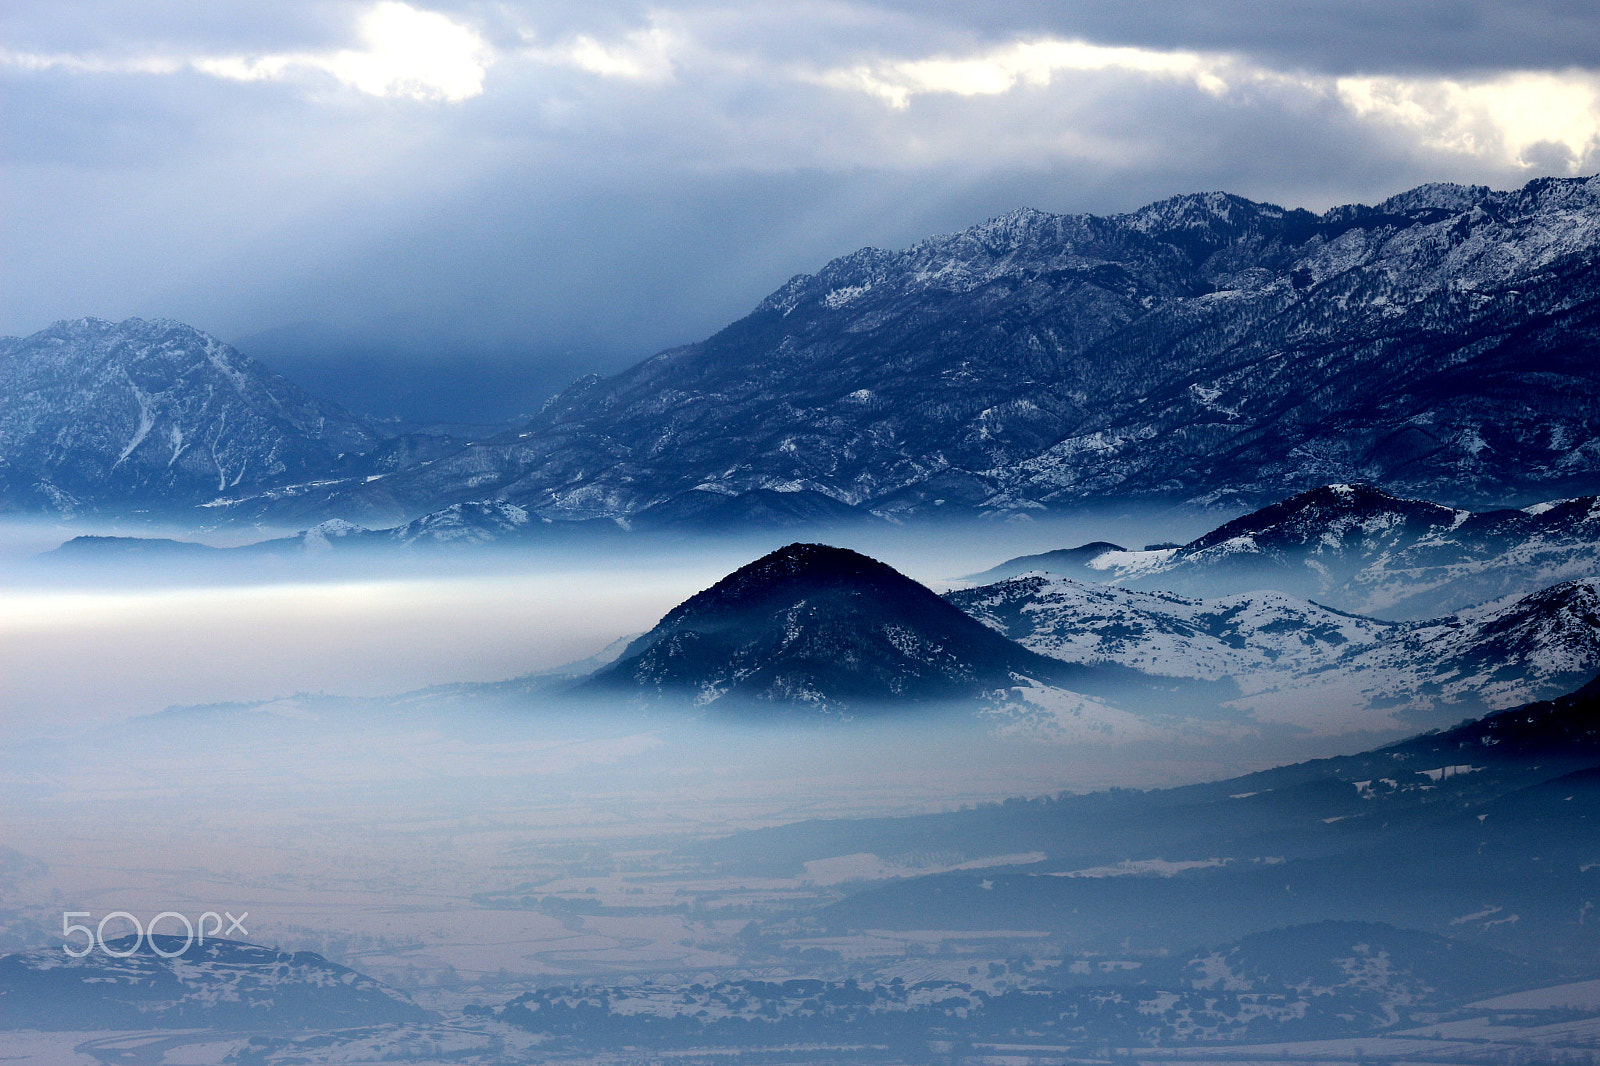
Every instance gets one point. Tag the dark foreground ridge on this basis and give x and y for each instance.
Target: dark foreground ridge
(828, 629)
(1449, 833)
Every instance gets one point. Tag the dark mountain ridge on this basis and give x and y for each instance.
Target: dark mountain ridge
(829, 629)
(1515, 748)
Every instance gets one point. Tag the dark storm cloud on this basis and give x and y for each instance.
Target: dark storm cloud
(526, 192)
(1330, 36)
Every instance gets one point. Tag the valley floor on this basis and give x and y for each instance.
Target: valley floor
(1523, 1030)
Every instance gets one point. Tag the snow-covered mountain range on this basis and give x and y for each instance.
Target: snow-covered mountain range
(1166, 634)
(1204, 348)
(141, 417)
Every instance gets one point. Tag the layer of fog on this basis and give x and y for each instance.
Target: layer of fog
(333, 820)
(89, 644)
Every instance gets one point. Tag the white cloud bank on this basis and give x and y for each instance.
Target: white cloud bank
(647, 55)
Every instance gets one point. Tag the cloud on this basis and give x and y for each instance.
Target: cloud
(641, 55)
(1338, 38)
(1534, 120)
(405, 52)
(1024, 63)
(89, 64)
(728, 86)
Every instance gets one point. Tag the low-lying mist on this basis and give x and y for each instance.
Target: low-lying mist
(336, 821)
(96, 638)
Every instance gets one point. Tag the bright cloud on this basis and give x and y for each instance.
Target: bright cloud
(405, 52)
(413, 53)
(1509, 117)
(1027, 63)
(644, 55)
(89, 64)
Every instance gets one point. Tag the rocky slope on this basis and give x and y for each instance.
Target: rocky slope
(1204, 348)
(1292, 661)
(1232, 636)
(1430, 673)
(155, 416)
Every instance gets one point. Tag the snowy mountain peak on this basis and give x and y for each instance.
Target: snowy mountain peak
(1226, 213)
(1360, 549)
(475, 522)
(1563, 620)
(1328, 516)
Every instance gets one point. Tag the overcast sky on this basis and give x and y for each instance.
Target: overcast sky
(531, 190)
